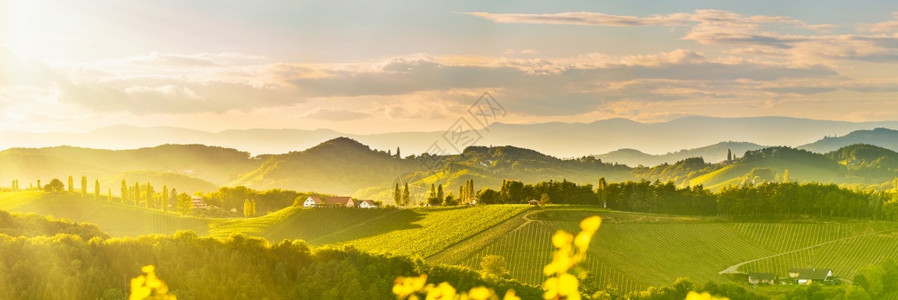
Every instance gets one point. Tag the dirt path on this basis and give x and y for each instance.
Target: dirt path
(734, 269)
(527, 220)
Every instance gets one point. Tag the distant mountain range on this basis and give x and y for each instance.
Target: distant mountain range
(556, 139)
(348, 167)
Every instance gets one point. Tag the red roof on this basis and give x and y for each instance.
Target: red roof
(316, 199)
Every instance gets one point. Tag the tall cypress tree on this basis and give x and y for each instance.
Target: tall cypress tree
(83, 186)
(164, 198)
(124, 193)
(97, 189)
(135, 194)
(71, 184)
(406, 198)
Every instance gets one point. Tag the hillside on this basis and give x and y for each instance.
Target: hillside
(769, 164)
(880, 137)
(867, 163)
(181, 182)
(212, 164)
(624, 254)
(338, 166)
(31, 225)
(116, 219)
(711, 153)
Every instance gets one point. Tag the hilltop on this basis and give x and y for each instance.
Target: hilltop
(711, 153)
(881, 137)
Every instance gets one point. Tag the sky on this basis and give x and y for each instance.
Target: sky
(386, 66)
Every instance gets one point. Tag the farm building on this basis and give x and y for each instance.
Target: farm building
(533, 202)
(760, 278)
(810, 276)
(198, 202)
(313, 201)
(361, 204)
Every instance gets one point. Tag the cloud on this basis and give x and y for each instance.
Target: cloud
(160, 84)
(701, 16)
(584, 18)
(883, 27)
(335, 115)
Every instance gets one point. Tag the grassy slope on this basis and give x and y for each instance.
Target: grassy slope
(113, 218)
(423, 231)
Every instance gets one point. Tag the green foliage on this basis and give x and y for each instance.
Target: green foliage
(244, 268)
(185, 203)
(55, 185)
(494, 265)
(83, 186)
(249, 208)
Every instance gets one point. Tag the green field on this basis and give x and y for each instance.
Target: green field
(631, 251)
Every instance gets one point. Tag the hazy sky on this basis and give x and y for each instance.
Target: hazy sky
(378, 66)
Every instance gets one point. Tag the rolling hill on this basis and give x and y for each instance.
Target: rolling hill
(711, 153)
(116, 219)
(556, 139)
(769, 164)
(881, 137)
(213, 164)
(344, 166)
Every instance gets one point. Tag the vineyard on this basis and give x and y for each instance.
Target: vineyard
(633, 251)
(630, 251)
(844, 256)
(424, 232)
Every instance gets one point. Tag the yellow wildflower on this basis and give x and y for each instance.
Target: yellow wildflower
(591, 224)
(480, 293)
(443, 291)
(703, 296)
(562, 239)
(510, 295)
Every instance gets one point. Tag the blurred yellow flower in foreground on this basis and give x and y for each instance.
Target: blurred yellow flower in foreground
(149, 286)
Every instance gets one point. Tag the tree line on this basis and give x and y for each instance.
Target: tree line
(786, 199)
